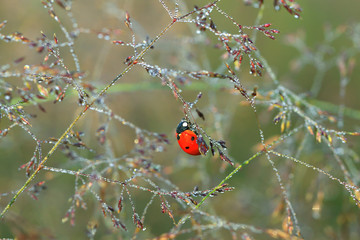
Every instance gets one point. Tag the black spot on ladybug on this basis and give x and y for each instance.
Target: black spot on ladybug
(178, 137)
(192, 138)
(187, 147)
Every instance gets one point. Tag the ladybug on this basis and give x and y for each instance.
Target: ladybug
(187, 138)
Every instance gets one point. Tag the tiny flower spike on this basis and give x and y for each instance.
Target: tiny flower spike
(203, 147)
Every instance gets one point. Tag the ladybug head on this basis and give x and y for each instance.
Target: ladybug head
(183, 125)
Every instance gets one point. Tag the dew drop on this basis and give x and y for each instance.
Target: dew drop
(339, 151)
(153, 72)
(160, 149)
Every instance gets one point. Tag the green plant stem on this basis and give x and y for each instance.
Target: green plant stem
(135, 87)
(202, 86)
(259, 16)
(246, 162)
(333, 108)
(83, 111)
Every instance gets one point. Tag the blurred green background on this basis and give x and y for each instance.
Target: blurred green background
(257, 193)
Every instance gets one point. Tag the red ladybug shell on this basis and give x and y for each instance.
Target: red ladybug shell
(188, 142)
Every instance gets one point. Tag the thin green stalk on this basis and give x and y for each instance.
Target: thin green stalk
(259, 16)
(246, 162)
(333, 108)
(134, 87)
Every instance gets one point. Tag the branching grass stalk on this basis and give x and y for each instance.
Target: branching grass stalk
(103, 91)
